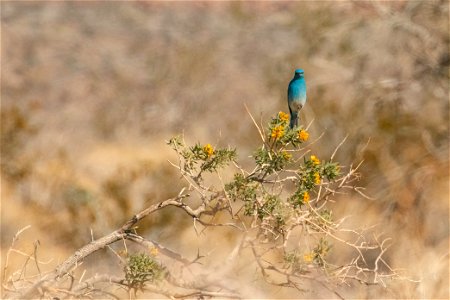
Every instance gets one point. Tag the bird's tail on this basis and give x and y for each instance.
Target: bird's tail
(294, 120)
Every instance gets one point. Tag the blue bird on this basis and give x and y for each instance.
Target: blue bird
(296, 96)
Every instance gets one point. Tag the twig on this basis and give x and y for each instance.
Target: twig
(256, 125)
(15, 238)
(338, 146)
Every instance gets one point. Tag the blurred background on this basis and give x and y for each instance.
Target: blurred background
(92, 90)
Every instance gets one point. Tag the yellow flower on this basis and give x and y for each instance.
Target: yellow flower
(309, 257)
(154, 251)
(303, 135)
(278, 132)
(315, 160)
(208, 149)
(283, 116)
(316, 178)
(286, 155)
(305, 197)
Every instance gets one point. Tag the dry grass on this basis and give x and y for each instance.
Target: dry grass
(91, 90)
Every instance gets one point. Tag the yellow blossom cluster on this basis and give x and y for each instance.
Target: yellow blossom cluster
(316, 178)
(315, 160)
(154, 251)
(208, 149)
(305, 197)
(303, 135)
(283, 116)
(278, 132)
(286, 155)
(309, 257)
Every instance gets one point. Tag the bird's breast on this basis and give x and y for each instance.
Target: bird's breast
(295, 105)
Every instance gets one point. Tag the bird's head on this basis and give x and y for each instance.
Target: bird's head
(299, 73)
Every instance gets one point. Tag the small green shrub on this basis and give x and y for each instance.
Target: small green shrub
(141, 268)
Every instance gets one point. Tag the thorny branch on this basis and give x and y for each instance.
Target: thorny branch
(300, 233)
(126, 232)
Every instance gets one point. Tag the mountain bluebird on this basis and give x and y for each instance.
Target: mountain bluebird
(296, 96)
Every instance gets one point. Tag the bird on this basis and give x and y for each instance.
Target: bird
(296, 96)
